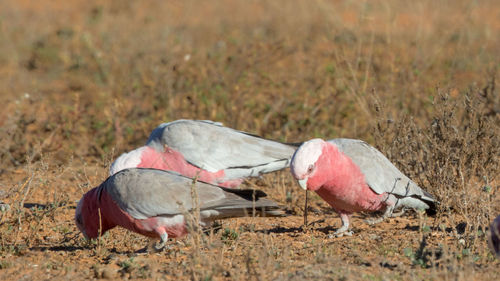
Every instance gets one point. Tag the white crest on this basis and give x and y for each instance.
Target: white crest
(127, 160)
(307, 154)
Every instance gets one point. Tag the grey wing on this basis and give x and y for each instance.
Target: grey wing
(380, 174)
(145, 193)
(213, 147)
(155, 138)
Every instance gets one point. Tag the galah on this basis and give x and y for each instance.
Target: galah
(494, 237)
(208, 151)
(154, 203)
(353, 176)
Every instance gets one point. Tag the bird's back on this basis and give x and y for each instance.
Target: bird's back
(213, 147)
(380, 174)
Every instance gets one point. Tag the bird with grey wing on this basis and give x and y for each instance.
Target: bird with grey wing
(155, 203)
(353, 176)
(208, 151)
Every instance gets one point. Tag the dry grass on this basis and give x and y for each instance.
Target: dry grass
(86, 80)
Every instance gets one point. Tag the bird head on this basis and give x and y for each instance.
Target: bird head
(87, 217)
(79, 217)
(304, 163)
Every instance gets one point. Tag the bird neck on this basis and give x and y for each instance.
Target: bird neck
(97, 221)
(172, 160)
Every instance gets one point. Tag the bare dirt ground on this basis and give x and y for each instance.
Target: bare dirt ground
(83, 81)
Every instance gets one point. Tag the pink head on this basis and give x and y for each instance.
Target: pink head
(306, 164)
(494, 237)
(87, 217)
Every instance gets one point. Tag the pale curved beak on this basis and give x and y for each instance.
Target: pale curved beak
(303, 183)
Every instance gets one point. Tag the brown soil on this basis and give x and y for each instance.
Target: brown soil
(83, 81)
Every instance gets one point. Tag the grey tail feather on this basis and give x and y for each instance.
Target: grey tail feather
(249, 212)
(248, 194)
(430, 200)
(241, 207)
(428, 195)
(432, 210)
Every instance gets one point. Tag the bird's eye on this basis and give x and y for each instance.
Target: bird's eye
(310, 168)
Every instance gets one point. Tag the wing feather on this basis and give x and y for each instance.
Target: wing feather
(213, 147)
(145, 193)
(380, 174)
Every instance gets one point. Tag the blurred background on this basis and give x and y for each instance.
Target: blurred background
(84, 81)
(98, 75)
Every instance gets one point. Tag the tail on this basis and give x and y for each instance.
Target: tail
(244, 203)
(425, 202)
(431, 201)
(247, 194)
(432, 210)
(244, 208)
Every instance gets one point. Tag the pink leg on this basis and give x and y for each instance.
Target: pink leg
(343, 230)
(163, 236)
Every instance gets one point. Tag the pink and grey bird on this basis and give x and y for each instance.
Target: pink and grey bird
(153, 203)
(209, 151)
(494, 237)
(353, 176)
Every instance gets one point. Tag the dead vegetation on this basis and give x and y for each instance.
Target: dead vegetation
(84, 81)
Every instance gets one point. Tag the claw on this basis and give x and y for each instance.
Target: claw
(387, 214)
(338, 234)
(395, 215)
(374, 221)
(159, 246)
(344, 229)
(164, 240)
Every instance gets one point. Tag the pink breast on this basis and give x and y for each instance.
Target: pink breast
(343, 184)
(173, 160)
(342, 199)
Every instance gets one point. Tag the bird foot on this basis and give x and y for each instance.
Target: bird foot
(340, 233)
(157, 247)
(398, 214)
(374, 221)
(388, 214)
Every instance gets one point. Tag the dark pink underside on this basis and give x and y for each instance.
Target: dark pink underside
(111, 215)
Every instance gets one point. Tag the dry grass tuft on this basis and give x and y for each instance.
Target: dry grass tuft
(417, 80)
